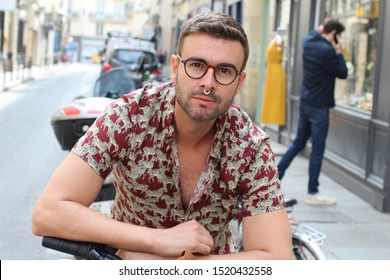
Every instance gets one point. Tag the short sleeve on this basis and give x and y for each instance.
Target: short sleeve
(260, 185)
(105, 140)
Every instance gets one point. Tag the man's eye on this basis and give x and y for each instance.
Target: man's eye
(225, 70)
(196, 64)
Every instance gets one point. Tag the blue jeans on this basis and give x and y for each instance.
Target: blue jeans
(313, 122)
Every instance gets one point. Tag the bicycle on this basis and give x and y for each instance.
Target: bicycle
(306, 240)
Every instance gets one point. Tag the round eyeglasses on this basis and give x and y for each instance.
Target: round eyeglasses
(196, 68)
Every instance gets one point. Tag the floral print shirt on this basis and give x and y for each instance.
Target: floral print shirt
(135, 139)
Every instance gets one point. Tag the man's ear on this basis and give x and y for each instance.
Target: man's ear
(174, 66)
(240, 82)
(320, 29)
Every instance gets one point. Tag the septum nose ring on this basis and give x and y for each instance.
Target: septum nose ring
(206, 92)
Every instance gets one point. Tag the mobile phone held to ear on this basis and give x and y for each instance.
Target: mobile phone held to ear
(335, 38)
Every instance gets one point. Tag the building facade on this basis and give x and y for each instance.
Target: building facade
(32, 31)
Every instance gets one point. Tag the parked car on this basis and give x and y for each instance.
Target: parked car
(136, 61)
(137, 55)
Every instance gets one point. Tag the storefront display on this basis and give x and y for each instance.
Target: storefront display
(360, 42)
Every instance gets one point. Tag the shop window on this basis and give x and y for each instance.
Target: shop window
(100, 9)
(118, 10)
(235, 10)
(360, 41)
(99, 29)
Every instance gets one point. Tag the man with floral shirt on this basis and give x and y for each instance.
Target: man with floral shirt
(183, 158)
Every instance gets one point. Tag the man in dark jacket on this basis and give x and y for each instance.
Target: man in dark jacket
(323, 62)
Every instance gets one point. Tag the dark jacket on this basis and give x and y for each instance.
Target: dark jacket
(321, 66)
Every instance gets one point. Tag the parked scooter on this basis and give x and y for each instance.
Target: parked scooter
(71, 121)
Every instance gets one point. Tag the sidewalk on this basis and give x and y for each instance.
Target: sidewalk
(19, 75)
(354, 229)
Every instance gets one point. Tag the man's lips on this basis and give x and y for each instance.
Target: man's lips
(204, 99)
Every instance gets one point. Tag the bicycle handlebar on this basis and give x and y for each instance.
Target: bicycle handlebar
(84, 250)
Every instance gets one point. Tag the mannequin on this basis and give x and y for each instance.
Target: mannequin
(274, 97)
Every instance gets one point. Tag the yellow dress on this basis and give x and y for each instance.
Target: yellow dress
(274, 98)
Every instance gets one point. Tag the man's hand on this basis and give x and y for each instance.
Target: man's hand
(187, 236)
(170, 243)
(337, 45)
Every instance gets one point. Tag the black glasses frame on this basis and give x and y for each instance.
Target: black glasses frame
(184, 61)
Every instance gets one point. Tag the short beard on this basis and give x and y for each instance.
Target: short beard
(193, 114)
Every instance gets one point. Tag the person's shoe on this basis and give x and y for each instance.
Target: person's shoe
(317, 199)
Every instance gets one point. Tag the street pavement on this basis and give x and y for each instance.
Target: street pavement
(354, 229)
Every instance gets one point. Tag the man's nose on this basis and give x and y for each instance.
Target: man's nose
(209, 78)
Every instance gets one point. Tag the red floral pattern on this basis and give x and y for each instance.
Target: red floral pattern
(135, 139)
